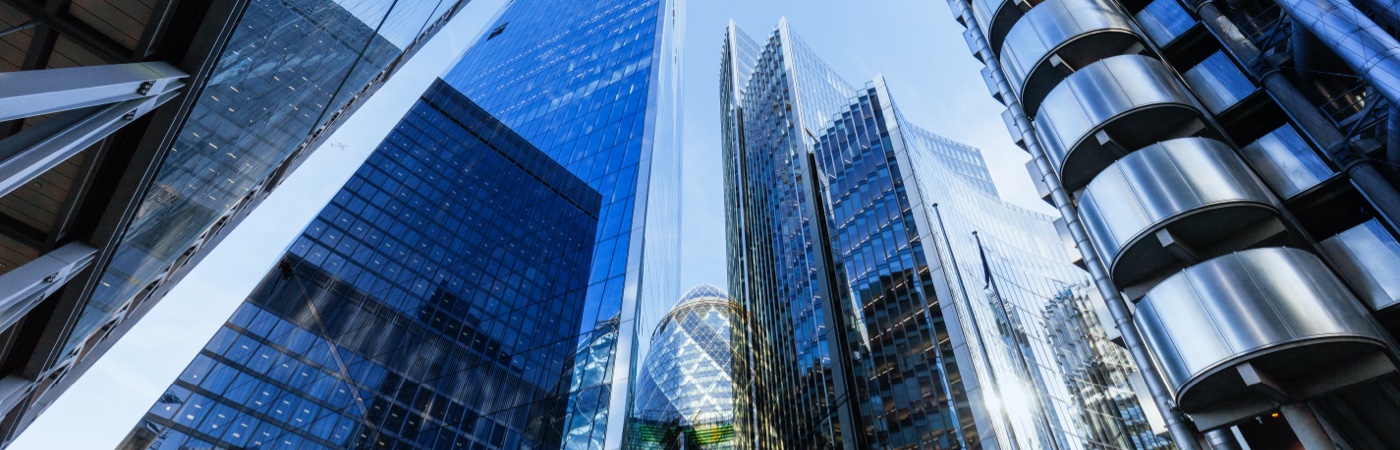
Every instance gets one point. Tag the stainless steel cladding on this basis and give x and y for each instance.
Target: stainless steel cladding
(997, 17)
(1136, 141)
(1057, 38)
(1280, 310)
(1190, 192)
(1366, 256)
(1109, 108)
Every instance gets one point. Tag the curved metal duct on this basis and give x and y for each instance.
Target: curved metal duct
(998, 16)
(1110, 108)
(1279, 310)
(1168, 204)
(1061, 36)
(1387, 10)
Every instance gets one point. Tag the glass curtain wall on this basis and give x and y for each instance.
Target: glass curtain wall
(881, 254)
(431, 305)
(595, 86)
(287, 71)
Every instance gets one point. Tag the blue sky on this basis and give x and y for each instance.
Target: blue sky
(914, 44)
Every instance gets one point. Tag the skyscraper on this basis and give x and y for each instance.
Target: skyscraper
(139, 133)
(692, 389)
(434, 303)
(596, 85)
(896, 300)
(1229, 178)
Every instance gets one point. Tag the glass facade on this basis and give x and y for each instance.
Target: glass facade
(690, 388)
(897, 301)
(595, 86)
(432, 304)
(779, 273)
(287, 73)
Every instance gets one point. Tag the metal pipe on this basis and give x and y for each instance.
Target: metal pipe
(1392, 135)
(1181, 432)
(1387, 10)
(1355, 38)
(1368, 180)
(18, 28)
(1360, 34)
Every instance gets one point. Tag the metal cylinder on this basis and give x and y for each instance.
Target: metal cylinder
(1355, 38)
(1392, 135)
(1181, 432)
(1388, 11)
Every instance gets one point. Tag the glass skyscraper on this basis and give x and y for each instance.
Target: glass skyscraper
(286, 72)
(896, 300)
(261, 84)
(432, 304)
(596, 85)
(692, 389)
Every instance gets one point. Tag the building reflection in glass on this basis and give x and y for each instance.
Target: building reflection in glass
(693, 384)
(432, 304)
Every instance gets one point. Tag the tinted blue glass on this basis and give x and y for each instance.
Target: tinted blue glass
(432, 303)
(798, 395)
(594, 85)
(855, 241)
(289, 67)
(1164, 20)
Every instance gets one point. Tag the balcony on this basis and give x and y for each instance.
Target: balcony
(1231, 331)
(1110, 108)
(1059, 37)
(1172, 204)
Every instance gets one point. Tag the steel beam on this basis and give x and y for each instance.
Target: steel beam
(35, 92)
(25, 286)
(27, 155)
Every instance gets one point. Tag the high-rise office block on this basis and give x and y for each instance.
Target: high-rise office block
(895, 300)
(1228, 174)
(137, 133)
(596, 86)
(432, 304)
(692, 390)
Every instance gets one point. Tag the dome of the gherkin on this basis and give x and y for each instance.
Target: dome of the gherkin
(686, 386)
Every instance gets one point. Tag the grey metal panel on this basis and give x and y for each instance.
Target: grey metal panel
(1195, 188)
(1078, 32)
(1368, 257)
(1286, 162)
(1218, 83)
(1135, 100)
(1279, 309)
